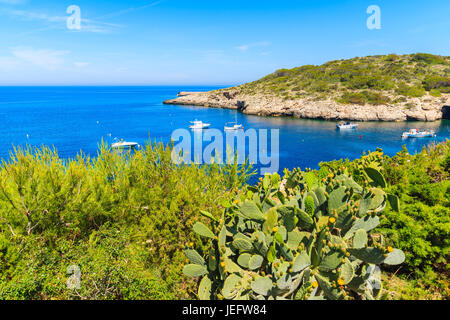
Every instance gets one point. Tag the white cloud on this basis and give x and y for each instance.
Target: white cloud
(8, 63)
(246, 47)
(81, 64)
(12, 1)
(45, 58)
(59, 22)
(28, 15)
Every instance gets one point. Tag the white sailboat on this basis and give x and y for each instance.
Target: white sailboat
(233, 126)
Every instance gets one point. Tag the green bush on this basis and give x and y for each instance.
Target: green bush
(123, 219)
(437, 82)
(410, 91)
(435, 93)
(374, 98)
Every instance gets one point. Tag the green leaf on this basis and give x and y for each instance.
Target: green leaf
(367, 223)
(376, 177)
(305, 222)
(229, 286)
(262, 286)
(242, 244)
(255, 262)
(212, 263)
(337, 199)
(331, 261)
(369, 255)
(194, 256)
(347, 271)
(288, 216)
(310, 179)
(204, 289)
(222, 236)
(320, 195)
(232, 267)
(395, 257)
(301, 262)
(350, 183)
(194, 270)
(243, 259)
(271, 254)
(250, 210)
(394, 202)
(266, 181)
(360, 239)
(378, 199)
(271, 217)
(208, 215)
(293, 239)
(330, 292)
(203, 230)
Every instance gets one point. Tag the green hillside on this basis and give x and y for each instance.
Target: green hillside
(382, 79)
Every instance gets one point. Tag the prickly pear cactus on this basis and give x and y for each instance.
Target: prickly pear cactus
(304, 237)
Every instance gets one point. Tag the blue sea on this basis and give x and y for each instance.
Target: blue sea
(78, 118)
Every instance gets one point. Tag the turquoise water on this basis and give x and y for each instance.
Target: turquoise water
(77, 118)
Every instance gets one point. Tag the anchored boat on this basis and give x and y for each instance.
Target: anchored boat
(199, 125)
(232, 126)
(414, 133)
(346, 125)
(124, 145)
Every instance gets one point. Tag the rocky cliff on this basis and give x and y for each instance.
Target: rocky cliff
(425, 108)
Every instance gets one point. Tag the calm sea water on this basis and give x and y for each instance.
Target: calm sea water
(77, 118)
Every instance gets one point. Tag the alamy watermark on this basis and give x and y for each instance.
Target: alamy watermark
(374, 20)
(74, 281)
(74, 20)
(212, 146)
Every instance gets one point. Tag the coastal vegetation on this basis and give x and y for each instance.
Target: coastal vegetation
(382, 79)
(126, 221)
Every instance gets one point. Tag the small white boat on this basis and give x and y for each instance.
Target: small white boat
(414, 133)
(346, 125)
(199, 125)
(229, 126)
(124, 145)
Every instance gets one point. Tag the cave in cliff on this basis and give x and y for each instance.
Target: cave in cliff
(446, 112)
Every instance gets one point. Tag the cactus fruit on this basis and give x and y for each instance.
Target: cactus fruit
(311, 243)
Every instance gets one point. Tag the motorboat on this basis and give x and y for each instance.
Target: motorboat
(346, 125)
(414, 133)
(233, 126)
(199, 125)
(124, 145)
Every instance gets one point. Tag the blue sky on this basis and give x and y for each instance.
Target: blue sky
(196, 42)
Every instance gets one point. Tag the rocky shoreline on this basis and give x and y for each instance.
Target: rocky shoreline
(426, 108)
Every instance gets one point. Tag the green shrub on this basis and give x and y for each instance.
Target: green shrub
(435, 93)
(437, 82)
(410, 91)
(123, 219)
(428, 58)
